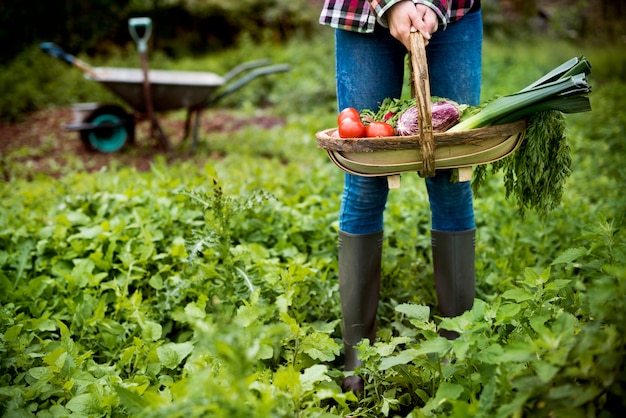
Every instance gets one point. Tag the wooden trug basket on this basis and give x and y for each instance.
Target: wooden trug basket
(426, 151)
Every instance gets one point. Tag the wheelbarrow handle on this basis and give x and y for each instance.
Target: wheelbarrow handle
(140, 22)
(245, 67)
(58, 52)
(245, 79)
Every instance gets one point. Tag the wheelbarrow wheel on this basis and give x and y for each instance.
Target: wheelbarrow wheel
(108, 138)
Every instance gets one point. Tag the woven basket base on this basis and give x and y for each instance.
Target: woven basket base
(385, 163)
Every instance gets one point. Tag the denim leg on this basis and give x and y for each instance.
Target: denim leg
(455, 62)
(369, 68)
(451, 204)
(363, 203)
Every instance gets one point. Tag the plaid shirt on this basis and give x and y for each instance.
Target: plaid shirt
(362, 15)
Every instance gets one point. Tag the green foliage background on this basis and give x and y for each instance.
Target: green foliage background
(181, 27)
(208, 287)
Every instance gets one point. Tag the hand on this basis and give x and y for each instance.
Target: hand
(405, 17)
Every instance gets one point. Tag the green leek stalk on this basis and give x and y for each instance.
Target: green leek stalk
(565, 89)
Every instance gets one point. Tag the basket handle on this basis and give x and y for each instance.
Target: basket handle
(420, 89)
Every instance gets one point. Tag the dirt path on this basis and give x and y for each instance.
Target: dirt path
(40, 142)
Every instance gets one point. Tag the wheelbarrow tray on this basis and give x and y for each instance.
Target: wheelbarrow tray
(171, 90)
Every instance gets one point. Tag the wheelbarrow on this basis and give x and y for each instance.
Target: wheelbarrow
(108, 127)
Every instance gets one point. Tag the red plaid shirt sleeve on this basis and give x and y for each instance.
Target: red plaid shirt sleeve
(352, 15)
(449, 10)
(362, 15)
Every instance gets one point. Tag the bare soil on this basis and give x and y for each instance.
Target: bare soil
(41, 142)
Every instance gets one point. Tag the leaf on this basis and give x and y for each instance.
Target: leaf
(156, 282)
(436, 345)
(507, 311)
(85, 404)
(88, 233)
(40, 373)
(488, 395)
(446, 391)
(83, 271)
(134, 403)
(581, 395)
(419, 312)
(249, 314)
(23, 258)
(152, 331)
(491, 354)
(576, 395)
(56, 357)
(518, 295)
(538, 323)
(385, 349)
(449, 390)
(461, 323)
(555, 285)
(518, 352)
(313, 375)
(545, 370)
(287, 378)
(565, 324)
(178, 248)
(534, 279)
(569, 255)
(320, 346)
(44, 324)
(194, 311)
(172, 354)
(77, 218)
(265, 352)
(13, 332)
(405, 357)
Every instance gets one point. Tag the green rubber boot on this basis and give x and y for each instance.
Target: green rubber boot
(359, 286)
(455, 276)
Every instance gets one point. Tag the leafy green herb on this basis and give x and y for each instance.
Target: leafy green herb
(388, 111)
(536, 173)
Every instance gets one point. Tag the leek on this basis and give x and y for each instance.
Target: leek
(565, 89)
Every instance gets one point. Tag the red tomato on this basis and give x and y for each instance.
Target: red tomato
(350, 128)
(375, 129)
(348, 113)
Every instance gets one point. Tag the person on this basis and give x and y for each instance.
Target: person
(371, 43)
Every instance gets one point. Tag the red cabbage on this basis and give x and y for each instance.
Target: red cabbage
(446, 114)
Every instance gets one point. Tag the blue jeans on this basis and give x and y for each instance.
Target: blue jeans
(369, 68)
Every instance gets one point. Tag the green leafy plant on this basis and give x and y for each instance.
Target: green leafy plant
(208, 287)
(539, 346)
